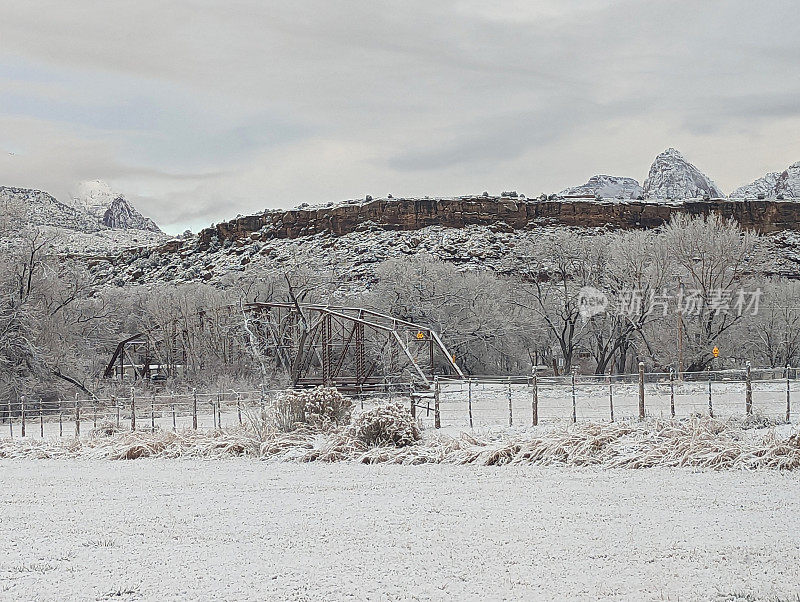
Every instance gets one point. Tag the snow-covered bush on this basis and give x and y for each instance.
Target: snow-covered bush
(390, 424)
(320, 407)
(325, 406)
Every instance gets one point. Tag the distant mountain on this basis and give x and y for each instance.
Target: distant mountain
(673, 177)
(786, 183)
(122, 215)
(764, 185)
(38, 208)
(94, 196)
(607, 187)
(111, 208)
(96, 222)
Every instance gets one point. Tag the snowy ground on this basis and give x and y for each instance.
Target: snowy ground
(243, 529)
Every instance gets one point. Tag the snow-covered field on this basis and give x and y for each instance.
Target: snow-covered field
(242, 529)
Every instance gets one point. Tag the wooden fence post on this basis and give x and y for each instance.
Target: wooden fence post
(77, 417)
(133, 410)
(510, 410)
(239, 408)
(574, 401)
(469, 400)
(437, 419)
(641, 390)
(22, 401)
(535, 400)
(214, 411)
(174, 419)
(672, 393)
(748, 390)
(116, 407)
(194, 409)
(788, 396)
(219, 410)
(153, 413)
(41, 418)
(710, 406)
(60, 418)
(10, 420)
(611, 397)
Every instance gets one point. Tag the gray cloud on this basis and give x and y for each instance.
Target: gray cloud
(203, 109)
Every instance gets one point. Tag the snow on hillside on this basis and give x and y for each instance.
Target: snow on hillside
(673, 177)
(23, 206)
(784, 184)
(606, 187)
(788, 183)
(110, 207)
(93, 223)
(764, 185)
(352, 259)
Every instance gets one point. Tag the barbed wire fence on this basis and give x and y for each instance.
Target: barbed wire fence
(521, 401)
(475, 401)
(149, 411)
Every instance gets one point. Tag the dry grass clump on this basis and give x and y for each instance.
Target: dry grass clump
(137, 444)
(320, 408)
(756, 420)
(385, 425)
(104, 429)
(325, 407)
(388, 435)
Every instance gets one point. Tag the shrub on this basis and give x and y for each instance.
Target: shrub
(104, 429)
(320, 407)
(390, 424)
(324, 406)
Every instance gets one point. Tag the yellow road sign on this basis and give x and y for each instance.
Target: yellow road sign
(715, 351)
(420, 335)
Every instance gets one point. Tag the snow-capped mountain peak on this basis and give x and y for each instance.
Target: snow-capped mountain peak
(673, 177)
(94, 196)
(610, 187)
(99, 199)
(771, 185)
(122, 215)
(764, 185)
(788, 183)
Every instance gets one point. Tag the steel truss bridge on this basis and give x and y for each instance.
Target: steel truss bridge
(346, 347)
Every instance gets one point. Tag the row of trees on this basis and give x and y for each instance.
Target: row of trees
(604, 303)
(598, 302)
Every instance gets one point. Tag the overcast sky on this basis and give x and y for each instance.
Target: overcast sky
(201, 110)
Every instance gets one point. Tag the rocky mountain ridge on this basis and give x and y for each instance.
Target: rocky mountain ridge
(785, 184)
(350, 242)
(671, 176)
(93, 224)
(606, 187)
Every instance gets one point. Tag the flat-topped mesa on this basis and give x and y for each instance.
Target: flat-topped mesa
(502, 213)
